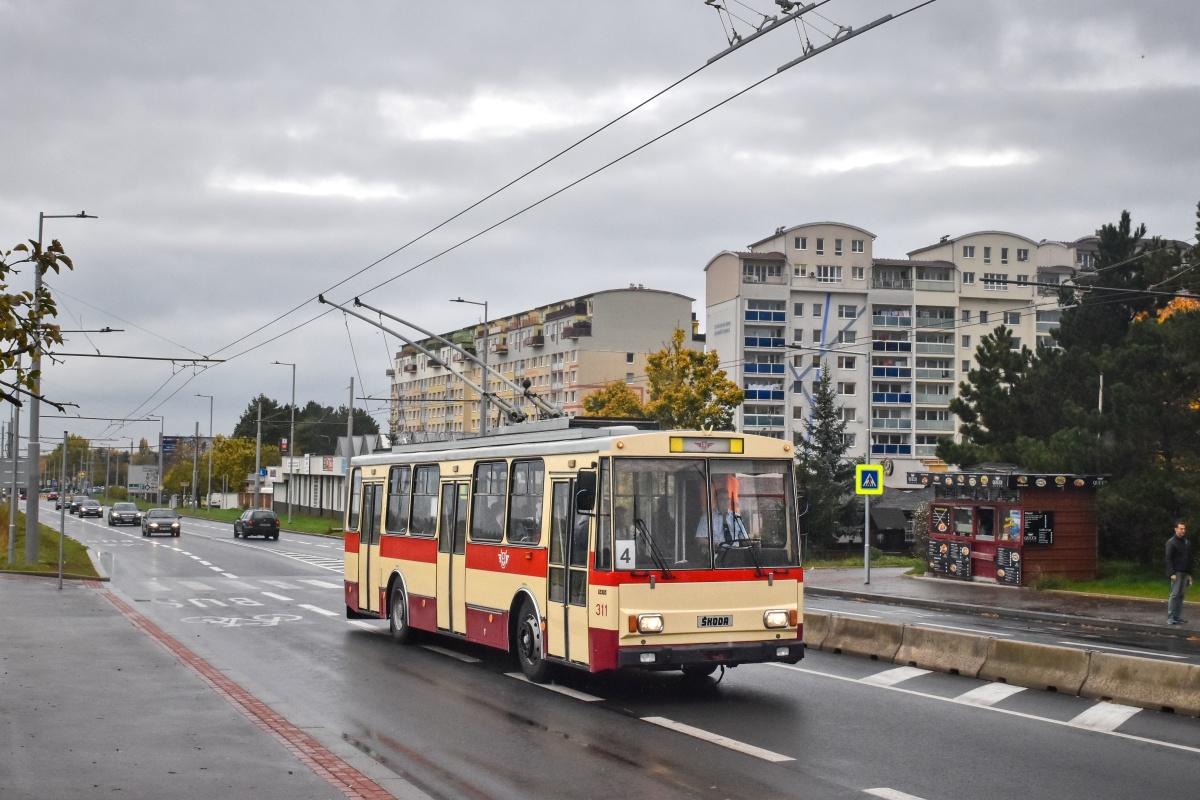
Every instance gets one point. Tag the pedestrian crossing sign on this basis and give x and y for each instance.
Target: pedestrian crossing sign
(868, 479)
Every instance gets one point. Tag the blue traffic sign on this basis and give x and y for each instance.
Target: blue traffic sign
(262, 472)
(868, 479)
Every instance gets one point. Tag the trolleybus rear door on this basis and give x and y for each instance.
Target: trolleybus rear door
(368, 547)
(451, 559)
(566, 607)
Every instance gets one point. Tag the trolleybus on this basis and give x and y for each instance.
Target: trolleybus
(597, 548)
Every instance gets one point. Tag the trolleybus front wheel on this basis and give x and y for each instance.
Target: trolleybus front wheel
(528, 645)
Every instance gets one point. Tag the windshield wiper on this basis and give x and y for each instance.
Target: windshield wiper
(750, 544)
(655, 553)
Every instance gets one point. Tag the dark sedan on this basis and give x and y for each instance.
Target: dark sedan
(90, 508)
(160, 520)
(257, 523)
(124, 514)
(73, 508)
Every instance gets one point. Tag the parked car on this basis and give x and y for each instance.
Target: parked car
(124, 514)
(160, 520)
(75, 501)
(257, 523)
(90, 508)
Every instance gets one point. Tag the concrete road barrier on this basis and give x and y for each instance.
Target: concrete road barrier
(1037, 666)
(864, 637)
(816, 629)
(1144, 682)
(944, 651)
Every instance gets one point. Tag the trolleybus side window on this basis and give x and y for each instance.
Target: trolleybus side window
(604, 519)
(399, 487)
(491, 489)
(424, 502)
(525, 502)
(352, 505)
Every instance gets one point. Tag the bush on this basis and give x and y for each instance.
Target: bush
(116, 494)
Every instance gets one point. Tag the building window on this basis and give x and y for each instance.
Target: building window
(797, 334)
(816, 336)
(1022, 254)
(1023, 280)
(983, 317)
(858, 273)
(847, 337)
(820, 247)
(856, 246)
(801, 242)
(629, 358)
(968, 278)
(966, 315)
(845, 388)
(846, 362)
(1003, 255)
(798, 309)
(1012, 317)
(1016, 344)
(847, 312)
(966, 340)
(966, 366)
(995, 282)
(525, 502)
(816, 309)
(848, 439)
(816, 361)
(629, 377)
(837, 247)
(987, 255)
(827, 273)
(968, 251)
(847, 414)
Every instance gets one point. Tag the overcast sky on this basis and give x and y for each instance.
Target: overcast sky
(243, 157)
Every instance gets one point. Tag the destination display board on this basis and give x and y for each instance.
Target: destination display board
(1039, 528)
(1008, 566)
(952, 559)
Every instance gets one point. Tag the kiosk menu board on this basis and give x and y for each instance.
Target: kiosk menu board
(952, 559)
(1008, 566)
(1039, 528)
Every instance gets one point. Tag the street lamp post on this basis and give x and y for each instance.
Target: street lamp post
(291, 440)
(208, 497)
(33, 480)
(483, 400)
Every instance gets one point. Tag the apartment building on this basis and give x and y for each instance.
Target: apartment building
(897, 334)
(566, 350)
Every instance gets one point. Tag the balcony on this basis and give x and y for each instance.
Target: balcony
(890, 346)
(891, 372)
(925, 398)
(926, 451)
(935, 322)
(926, 374)
(935, 286)
(773, 395)
(883, 282)
(766, 316)
(780, 280)
(578, 308)
(935, 349)
(891, 449)
(935, 424)
(765, 341)
(500, 348)
(891, 398)
(537, 340)
(762, 421)
(581, 328)
(1046, 327)
(890, 424)
(890, 321)
(764, 369)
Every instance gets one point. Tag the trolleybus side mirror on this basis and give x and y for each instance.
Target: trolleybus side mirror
(585, 491)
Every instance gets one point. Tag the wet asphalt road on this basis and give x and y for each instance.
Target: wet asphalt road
(454, 723)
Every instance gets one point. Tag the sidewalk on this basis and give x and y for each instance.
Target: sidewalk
(890, 585)
(90, 706)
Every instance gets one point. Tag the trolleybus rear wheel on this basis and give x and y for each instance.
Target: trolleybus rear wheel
(398, 616)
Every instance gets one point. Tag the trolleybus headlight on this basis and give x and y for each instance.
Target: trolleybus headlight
(650, 623)
(775, 618)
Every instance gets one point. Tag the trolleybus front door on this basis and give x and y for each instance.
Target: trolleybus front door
(368, 547)
(451, 559)
(566, 607)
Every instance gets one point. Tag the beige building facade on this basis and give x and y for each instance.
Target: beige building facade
(566, 350)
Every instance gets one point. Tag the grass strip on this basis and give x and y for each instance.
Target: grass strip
(76, 563)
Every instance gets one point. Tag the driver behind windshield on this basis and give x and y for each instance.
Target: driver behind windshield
(726, 525)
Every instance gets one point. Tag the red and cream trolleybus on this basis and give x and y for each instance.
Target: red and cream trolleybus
(591, 547)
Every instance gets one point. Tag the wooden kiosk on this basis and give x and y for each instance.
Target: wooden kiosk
(1011, 528)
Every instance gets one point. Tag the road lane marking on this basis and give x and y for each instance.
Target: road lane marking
(1122, 649)
(1104, 717)
(215, 569)
(717, 739)
(197, 585)
(466, 659)
(890, 677)
(320, 584)
(808, 607)
(989, 694)
(1009, 712)
(554, 687)
(195, 602)
(960, 628)
(228, 575)
(891, 794)
(366, 626)
(284, 598)
(206, 563)
(318, 610)
(280, 584)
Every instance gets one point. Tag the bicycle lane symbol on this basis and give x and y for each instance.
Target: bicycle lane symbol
(256, 621)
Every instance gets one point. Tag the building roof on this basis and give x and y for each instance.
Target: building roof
(954, 239)
(771, 255)
(786, 231)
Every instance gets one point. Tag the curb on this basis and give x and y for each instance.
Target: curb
(1009, 613)
(94, 557)
(67, 576)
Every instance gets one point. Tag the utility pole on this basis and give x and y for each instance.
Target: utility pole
(208, 496)
(108, 471)
(291, 448)
(257, 456)
(161, 427)
(14, 431)
(62, 514)
(196, 466)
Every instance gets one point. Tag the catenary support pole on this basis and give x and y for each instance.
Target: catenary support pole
(254, 502)
(62, 518)
(15, 435)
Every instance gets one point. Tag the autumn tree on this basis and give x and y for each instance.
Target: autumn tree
(25, 319)
(615, 401)
(689, 390)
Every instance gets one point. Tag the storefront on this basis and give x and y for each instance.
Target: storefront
(1011, 527)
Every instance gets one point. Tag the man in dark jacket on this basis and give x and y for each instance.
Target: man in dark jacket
(1179, 571)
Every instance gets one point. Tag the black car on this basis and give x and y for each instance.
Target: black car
(124, 514)
(90, 508)
(75, 501)
(160, 520)
(257, 523)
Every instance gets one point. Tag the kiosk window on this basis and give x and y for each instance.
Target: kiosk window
(424, 502)
(962, 521)
(987, 523)
(525, 503)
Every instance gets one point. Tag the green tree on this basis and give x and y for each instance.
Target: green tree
(26, 323)
(615, 401)
(317, 427)
(689, 390)
(823, 472)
